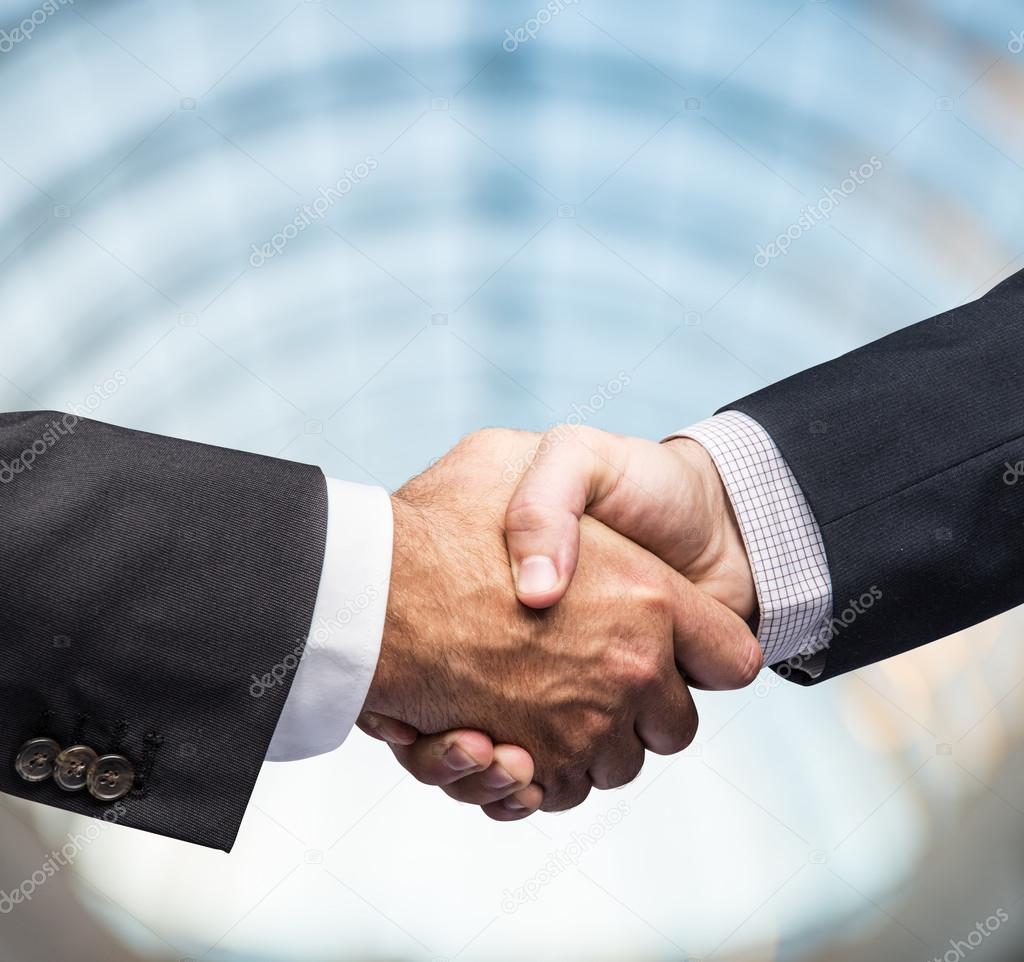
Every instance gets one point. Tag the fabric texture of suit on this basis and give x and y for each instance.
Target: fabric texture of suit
(906, 451)
(145, 582)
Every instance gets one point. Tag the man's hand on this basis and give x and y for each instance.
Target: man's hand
(667, 497)
(466, 764)
(584, 687)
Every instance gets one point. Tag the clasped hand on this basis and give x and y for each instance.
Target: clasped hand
(553, 599)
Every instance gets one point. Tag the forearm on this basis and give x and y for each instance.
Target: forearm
(146, 581)
(901, 449)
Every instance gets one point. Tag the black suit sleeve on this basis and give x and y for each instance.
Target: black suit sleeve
(907, 451)
(145, 582)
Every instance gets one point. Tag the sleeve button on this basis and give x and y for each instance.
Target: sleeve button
(72, 767)
(35, 761)
(110, 778)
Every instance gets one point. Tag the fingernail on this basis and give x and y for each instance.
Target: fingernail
(497, 777)
(385, 730)
(512, 805)
(394, 739)
(536, 574)
(458, 760)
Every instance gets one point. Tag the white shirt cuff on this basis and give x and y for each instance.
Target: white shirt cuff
(334, 673)
(781, 535)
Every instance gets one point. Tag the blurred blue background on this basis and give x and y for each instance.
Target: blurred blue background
(482, 214)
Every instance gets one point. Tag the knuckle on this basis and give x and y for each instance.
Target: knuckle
(484, 437)
(687, 731)
(566, 795)
(634, 670)
(586, 729)
(670, 743)
(651, 591)
(648, 673)
(596, 725)
(621, 773)
(749, 671)
(675, 735)
(676, 741)
(527, 515)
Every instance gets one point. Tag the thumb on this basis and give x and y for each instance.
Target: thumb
(569, 469)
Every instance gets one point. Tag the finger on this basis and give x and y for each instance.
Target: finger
(713, 646)
(443, 759)
(568, 471)
(520, 805)
(618, 769)
(509, 772)
(669, 726)
(565, 794)
(386, 729)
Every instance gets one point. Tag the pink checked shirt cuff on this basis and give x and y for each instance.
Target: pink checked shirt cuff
(781, 534)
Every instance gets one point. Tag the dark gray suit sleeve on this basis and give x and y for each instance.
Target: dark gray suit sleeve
(910, 452)
(145, 581)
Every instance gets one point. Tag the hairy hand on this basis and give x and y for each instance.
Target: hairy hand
(583, 687)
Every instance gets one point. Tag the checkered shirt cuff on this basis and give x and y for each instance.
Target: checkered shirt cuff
(781, 534)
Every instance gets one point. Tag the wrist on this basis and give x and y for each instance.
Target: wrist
(389, 689)
(725, 570)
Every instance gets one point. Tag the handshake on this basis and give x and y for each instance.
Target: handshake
(552, 600)
(545, 624)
